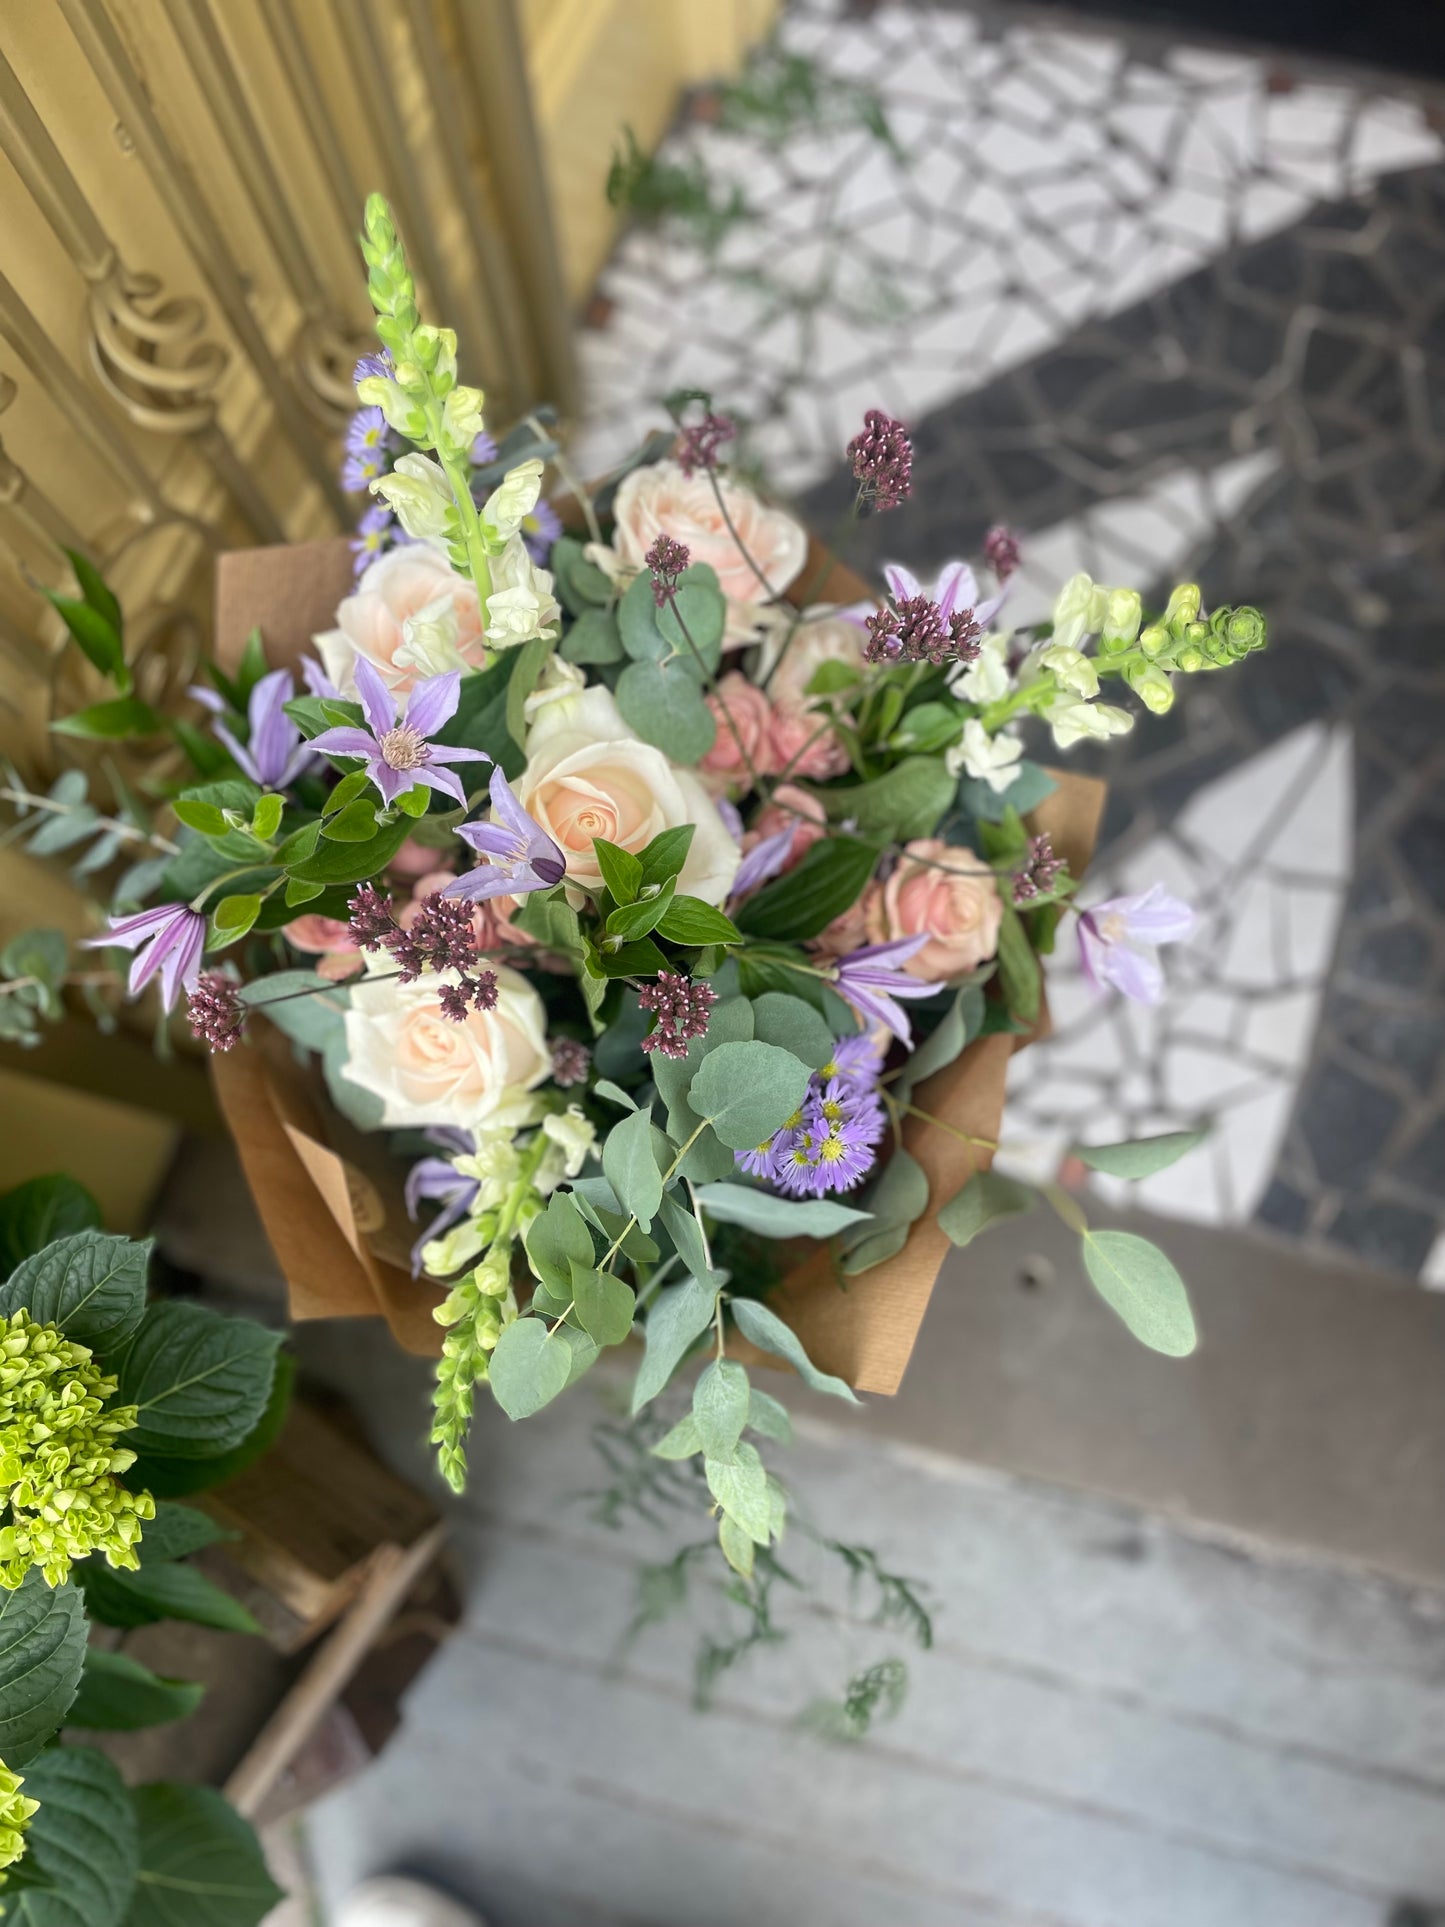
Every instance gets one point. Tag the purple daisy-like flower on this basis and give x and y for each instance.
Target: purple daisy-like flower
(379, 364)
(520, 854)
(167, 940)
(1118, 941)
(484, 450)
(872, 979)
(831, 1143)
(540, 530)
(274, 754)
(367, 440)
(374, 535)
(396, 746)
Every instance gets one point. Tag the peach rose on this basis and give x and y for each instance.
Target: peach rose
(412, 616)
(822, 635)
(428, 1070)
(588, 775)
(744, 719)
(957, 907)
(328, 939)
(661, 500)
(790, 807)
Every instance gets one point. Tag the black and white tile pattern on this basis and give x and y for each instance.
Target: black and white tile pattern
(1167, 312)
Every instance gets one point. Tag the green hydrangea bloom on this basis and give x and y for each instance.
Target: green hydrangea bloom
(59, 1456)
(16, 1813)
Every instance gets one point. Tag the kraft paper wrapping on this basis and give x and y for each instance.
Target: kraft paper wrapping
(331, 1202)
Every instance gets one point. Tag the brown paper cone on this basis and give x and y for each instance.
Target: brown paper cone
(332, 1207)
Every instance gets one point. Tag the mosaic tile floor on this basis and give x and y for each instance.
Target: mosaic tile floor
(1166, 311)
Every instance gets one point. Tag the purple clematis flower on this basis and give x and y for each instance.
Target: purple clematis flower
(956, 588)
(396, 747)
(872, 978)
(1118, 939)
(520, 854)
(317, 682)
(168, 939)
(275, 755)
(763, 862)
(439, 1180)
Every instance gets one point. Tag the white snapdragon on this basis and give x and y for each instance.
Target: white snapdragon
(1073, 720)
(560, 682)
(429, 645)
(988, 758)
(1120, 618)
(570, 1140)
(511, 502)
(521, 605)
(462, 414)
(986, 679)
(403, 412)
(443, 1257)
(1072, 669)
(420, 496)
(1079, 610)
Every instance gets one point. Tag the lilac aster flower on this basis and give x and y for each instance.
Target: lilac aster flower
(168, 940)
(274, 754)
(395, 747)
(856, 1058)
(484, 450)
(872, 978)
(831, 1142)
(367, 440)
(540, 530)
(373, 536)
(1118, 939)
(379, 364)
(520, 854)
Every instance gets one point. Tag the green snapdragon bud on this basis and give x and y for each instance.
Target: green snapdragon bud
(1154, 639)
(389, 280)
(1238, 631)
(1182, 607)
(1190, 658)
(1123, 612)
(1151, 686)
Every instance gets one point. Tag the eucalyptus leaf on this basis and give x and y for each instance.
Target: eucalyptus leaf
(794, 1025)
(984, 1200)
(684, 1441)
(556, 1240)
(897, 1198)
(775, 1217)
(593, 638)
(1140, 1158)
(1018, 967)
(768, 1332)
(529, 1367)
(962, 1022)
(747, 1091)
(720, 1407)
(688, 1239)
(613, 1094)
(663, 703)
(768, 1418)
(605, 1304)
(739, 1483)
(677, 1316)
(1137, 1281)
(737, 1546)
(630, 1167)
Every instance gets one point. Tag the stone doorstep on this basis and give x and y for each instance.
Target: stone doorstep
(1309, 1422)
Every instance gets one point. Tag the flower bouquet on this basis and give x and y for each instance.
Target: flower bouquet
(626, 932)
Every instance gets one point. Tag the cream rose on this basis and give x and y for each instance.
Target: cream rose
(958, 910)
(588, 775)
(661, 500)
(428, 1070)
(399, 588)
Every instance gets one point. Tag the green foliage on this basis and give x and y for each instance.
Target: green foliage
(527, 666)
(655, 190)
(604, 1304)
(690, 921)
(582, 587)
(83, 1844)
(877, 1692)
(896, 1199)
(91, 1285)
(776, 1217)
(40, 1211)
(979, 800)
(904, 803)
(676, 1319)
(179, 1478)
(663, 703)
(122, 717)
(530, 1366)
(984, 1200)
(1141, 1158)
(42, 1649)
(162, 1589)
(200, 1863)
(828, 881)
(631, 1167)
(768, 1332)
(739, 1483)
(200, 1381)
(119, 1695)
(962, 1022)
(794, 1025)
(33, 966)
(1137, 1281)
(556, 1240)
(1018, 967)
(665, 855)
(747, 1091)
(720, 1408)
(95, 627)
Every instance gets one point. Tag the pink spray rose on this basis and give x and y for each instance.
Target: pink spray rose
(790, 808)
(744, 718)
(330, 940)
(803, 743)
(957, 907)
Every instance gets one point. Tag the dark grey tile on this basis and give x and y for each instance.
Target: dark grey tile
(1345, 1122)
(1393, 1235)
